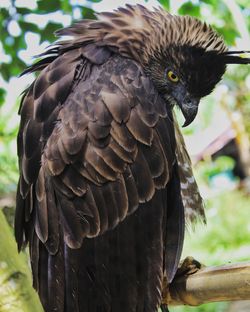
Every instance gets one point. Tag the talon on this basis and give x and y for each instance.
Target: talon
(189, 266)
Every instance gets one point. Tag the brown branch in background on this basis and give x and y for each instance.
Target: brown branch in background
(222, 283)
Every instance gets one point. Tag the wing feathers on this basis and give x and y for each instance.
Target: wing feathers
(31, 135)
(133, 198)
(126, 156)
(73, 232)
(89, 204)
(107, 134)
(116, 104)
(123, 137)
(121, 197)
(19, 218)
(110, 202)
(41, 211)
(111, 159)
(175, 226)
(30, 167)
(52, 243)
(74, 181)
(139, 130)
(103, 208)
(155, 158)
(143, 179)
(102, 150)
(99, 164)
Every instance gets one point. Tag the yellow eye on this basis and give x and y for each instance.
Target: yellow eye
(172, 76)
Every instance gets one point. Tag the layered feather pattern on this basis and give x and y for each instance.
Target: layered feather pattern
(99, 196)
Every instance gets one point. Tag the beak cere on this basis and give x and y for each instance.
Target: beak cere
(189, 108)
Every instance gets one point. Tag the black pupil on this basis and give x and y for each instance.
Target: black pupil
(173, 76)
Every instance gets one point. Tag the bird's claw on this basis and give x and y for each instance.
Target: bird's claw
(189, 266)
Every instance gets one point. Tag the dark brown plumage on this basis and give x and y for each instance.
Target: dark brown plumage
(105, 179)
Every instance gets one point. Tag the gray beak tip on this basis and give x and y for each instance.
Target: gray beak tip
(189, 111)
(188, 120)
(186, 124)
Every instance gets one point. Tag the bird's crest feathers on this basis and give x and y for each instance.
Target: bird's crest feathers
(136, 32)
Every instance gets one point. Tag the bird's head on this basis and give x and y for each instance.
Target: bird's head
(184, 57)
(184, 74)
(188, 60)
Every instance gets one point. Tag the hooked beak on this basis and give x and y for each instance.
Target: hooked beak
(186, 102)
(189, 108)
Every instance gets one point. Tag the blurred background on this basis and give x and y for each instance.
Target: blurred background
(218, 140)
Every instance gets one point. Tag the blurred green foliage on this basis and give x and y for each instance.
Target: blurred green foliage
(208, 169)
(8, 159)
(16, 292)
(224, 240)
(226, 237)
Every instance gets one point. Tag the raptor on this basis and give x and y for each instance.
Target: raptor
(106, 184)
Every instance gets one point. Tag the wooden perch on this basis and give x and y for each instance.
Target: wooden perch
(222, 283)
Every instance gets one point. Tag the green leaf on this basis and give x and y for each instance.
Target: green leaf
(18, 68)
(44, 6)
(8, 45)
(165, 4)
(66, 6)
(228, 33)
(4, 14)
(4, 69)
(13, 69)
(48, 32)
(27, 26)
(19, 43)
(88, 13)
(94, 1)
(2, 96)
(189, 8)
(211, 2)
(23, 11)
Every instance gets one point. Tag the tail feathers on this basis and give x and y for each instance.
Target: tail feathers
(56, 281)
(121, 270)
(149, 254)
(71, 289)
(122, 267)
(43, 277)
(92, 274)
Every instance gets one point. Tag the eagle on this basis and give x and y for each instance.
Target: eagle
(106, 185)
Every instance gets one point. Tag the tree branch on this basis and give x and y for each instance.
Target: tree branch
(222, 283)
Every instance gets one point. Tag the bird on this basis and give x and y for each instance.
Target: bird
(106, 184)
